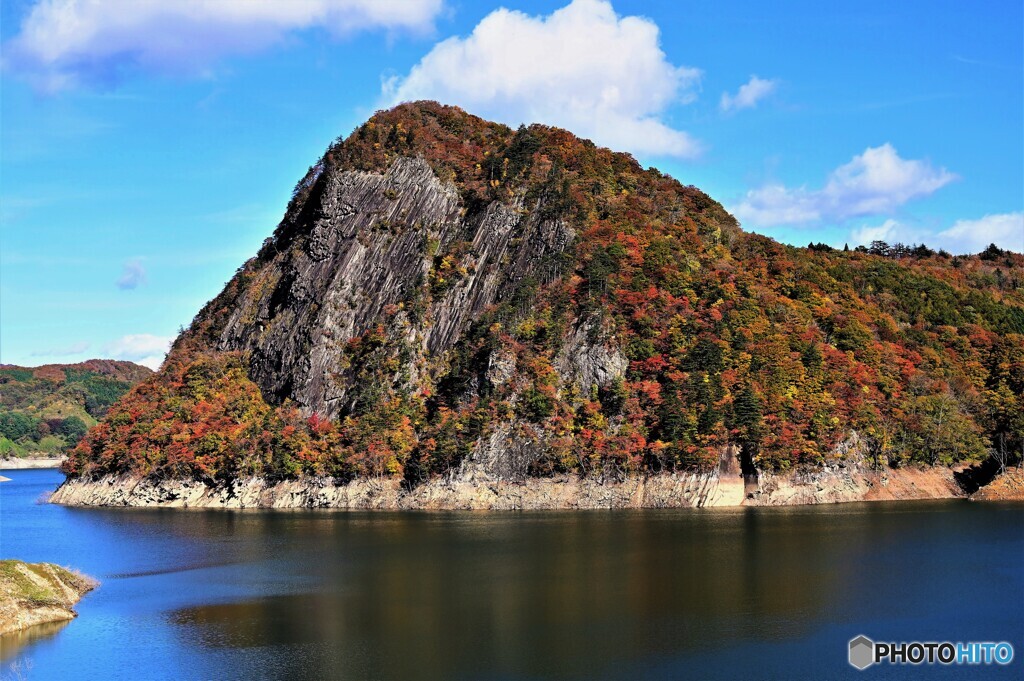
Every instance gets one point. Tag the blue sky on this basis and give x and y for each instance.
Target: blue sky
(147, 148)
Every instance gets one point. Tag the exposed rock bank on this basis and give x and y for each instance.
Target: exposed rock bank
(1006, 487)
(18, 463)
(37, 593)
(389, 494)
(483, 493)
(856, 483)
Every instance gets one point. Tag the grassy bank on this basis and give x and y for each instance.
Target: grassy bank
(35, 593)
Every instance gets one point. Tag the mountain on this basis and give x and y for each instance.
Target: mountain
(449, 297)
(47, 409)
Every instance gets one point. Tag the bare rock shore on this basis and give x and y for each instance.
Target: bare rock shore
(531, 494)
(1009, 486)
(17, 463)
(482, 493)
(38, 593)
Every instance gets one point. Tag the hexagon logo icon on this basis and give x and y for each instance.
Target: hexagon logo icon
(862, 652)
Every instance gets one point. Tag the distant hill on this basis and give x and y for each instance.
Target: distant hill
(45, 410)
(447, 295)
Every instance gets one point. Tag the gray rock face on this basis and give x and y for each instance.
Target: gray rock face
(481, 493)
(481, 490)
(361, 254)
(589, 357)
(505, 454)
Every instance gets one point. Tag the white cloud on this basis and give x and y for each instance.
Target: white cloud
(749, 94)
(132, 276)
(583, 67)
(876, 182)
(1005, 230)
(890, 230)
(142, 348)
(62, 43)
(73, 349)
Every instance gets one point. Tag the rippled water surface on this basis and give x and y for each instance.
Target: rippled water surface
(738, 593)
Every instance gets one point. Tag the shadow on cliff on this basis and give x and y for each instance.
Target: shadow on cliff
(975, 477)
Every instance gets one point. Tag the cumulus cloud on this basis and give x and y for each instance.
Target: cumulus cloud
(749, 94)
(142, 348)
(63, 43)
(890, 230)
(132, 276)
(582, 67)
(1005, 230)
(73, 349)
(876, 182)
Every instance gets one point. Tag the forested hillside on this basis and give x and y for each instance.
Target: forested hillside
(47, 409)
(533, 304)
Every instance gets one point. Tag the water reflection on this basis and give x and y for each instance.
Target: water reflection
(653, 594)
(544, 596)
(13, 643)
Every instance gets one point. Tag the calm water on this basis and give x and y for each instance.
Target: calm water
(742, 593)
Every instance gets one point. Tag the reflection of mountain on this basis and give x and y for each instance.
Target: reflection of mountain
(537, 596)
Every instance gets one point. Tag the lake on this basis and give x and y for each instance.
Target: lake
(753, 593)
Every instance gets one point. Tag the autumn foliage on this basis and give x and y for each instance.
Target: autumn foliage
(731, 338)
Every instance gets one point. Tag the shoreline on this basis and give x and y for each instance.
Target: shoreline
(32, 594)
(22, 463)
(477, 492)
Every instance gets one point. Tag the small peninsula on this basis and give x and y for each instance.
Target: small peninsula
(38, 593)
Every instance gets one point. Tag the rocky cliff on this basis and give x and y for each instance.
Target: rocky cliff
(448, 299)
(366, 252)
